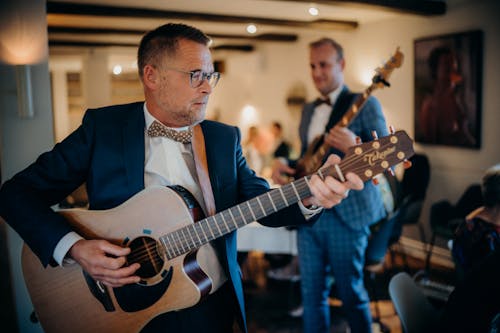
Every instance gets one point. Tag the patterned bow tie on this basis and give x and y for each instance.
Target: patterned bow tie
(320, 101)
(157, 129)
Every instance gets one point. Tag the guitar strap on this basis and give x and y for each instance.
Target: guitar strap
(339, 109)
(200, 160)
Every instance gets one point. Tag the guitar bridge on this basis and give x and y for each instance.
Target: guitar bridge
(100, 292)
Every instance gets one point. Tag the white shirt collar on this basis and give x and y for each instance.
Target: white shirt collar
(335, 94)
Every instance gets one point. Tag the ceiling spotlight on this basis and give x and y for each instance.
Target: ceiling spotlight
(251, 28)
(117, 69)
(313, 11)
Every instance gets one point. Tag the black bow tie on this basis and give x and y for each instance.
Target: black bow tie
(320, 101)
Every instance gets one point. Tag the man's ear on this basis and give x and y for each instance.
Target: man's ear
(150, 77)
(342, 63)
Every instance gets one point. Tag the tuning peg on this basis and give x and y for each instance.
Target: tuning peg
(358, 140)
(375, 181)
(390, 171)
(374, 135)
(406, 164)
(391, 129)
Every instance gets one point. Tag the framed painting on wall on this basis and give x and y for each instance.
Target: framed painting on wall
(448, 78)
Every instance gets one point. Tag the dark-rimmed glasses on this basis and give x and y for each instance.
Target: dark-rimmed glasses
(197, 77)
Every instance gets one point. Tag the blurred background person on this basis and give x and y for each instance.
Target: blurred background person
(474, 304)
(335, 245)
(251, 150)
(282, 148)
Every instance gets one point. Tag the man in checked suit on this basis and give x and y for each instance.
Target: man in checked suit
(335, 245)
(117, 153)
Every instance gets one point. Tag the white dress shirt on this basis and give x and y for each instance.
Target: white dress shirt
(321, 115)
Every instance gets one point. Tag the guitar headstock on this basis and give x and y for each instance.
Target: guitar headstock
(381, 79)
(372, 158)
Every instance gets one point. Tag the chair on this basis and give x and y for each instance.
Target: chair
(380, 241)
(415, 311)
(445, 217)
(413, 190)
(410, 195)
(378, 244)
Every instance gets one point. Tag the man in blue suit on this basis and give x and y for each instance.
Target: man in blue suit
(335, 245)
(119, 150)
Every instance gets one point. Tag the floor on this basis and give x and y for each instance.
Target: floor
(269, 300)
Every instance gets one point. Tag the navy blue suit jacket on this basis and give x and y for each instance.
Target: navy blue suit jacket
(107, 152)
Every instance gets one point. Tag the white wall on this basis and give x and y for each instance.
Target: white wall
(22, 140)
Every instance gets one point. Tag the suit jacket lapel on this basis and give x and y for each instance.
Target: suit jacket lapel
(304, 125)
(133, 148)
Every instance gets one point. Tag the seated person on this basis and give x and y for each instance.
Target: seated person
(474, 305)
(479, 234)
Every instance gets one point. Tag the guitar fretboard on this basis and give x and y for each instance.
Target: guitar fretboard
(194, 235)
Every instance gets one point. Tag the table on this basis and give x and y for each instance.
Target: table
(255, 236)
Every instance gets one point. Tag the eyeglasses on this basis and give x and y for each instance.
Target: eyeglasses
(197, 77)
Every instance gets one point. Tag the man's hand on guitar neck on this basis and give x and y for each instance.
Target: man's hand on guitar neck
(340, 138)
(330, 191)
(105, 262)
(325, 193)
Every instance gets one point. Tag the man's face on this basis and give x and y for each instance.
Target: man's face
(181, 104)
(326, 69)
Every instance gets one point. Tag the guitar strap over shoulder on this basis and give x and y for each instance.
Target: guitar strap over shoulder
(200, 160)
(340, 108)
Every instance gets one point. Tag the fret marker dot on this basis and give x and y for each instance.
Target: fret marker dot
(368, 173)
(394, 139)
(358, 151)
(401, 155)
(385, 164)
(376, 145)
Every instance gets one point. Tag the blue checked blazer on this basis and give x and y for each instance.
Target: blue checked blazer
(365, 207)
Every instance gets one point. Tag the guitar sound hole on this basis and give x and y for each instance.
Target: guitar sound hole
(144, 250)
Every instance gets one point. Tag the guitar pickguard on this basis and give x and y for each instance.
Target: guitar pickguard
(135, 297)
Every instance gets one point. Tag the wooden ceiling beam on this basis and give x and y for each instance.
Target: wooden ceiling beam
(133, 12)
(418, 7)
(267, 37)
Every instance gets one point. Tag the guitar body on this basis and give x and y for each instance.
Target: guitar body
(66, 300)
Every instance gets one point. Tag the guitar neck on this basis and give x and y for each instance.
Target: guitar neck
(345, 121)
(194, 235)
(358, 103)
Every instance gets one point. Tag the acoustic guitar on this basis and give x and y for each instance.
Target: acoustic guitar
(157, 224)
(317, 149)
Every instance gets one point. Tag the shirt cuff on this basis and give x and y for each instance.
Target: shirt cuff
(63, 247)
(309, 212)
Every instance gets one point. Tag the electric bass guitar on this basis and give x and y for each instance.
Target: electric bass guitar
(317, 149)
(157, 224)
